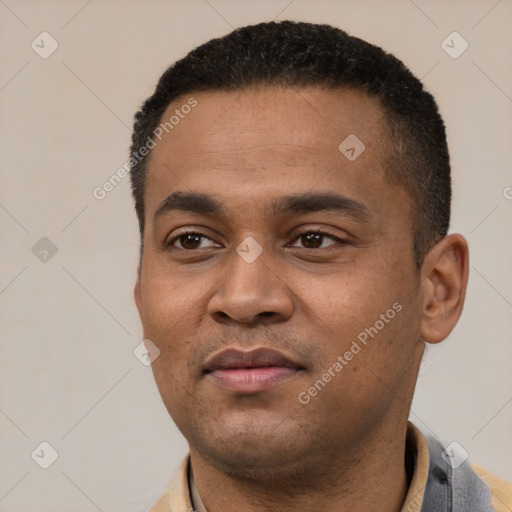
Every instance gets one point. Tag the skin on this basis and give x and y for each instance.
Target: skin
(345, 449)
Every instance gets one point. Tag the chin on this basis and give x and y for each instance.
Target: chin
(255, 450)
(259, 463)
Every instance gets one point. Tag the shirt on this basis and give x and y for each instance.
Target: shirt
(183, 495)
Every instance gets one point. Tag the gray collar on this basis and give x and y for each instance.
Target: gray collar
(453, 489)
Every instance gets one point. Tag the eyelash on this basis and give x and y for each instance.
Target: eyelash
(340, 241)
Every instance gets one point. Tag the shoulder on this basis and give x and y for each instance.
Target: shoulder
(501, 489)
(162, 505)
(177, 499)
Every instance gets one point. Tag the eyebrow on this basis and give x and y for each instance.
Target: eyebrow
(204, 204)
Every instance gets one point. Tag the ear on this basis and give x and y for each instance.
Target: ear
(444, 277)
(137, 294)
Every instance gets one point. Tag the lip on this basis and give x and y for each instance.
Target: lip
(250, 371)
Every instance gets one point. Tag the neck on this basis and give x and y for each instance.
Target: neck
(370, 475)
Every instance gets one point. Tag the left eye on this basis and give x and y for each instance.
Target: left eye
(314, 239)
(188, 241)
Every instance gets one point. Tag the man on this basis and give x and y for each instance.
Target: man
(292, 185)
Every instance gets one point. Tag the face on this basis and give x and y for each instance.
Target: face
(277, 278)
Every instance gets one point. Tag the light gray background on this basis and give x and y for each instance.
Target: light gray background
(69, 325)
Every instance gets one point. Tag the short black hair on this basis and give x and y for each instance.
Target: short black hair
(297, 54)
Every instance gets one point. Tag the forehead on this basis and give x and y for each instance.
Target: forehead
(264, 142)
(316, 119)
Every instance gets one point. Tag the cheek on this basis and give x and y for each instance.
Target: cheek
(369, 362)
(166, 319)
(368, 313)
(168, 300)
(351, 299)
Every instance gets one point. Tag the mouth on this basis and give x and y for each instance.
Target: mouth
(251, 371)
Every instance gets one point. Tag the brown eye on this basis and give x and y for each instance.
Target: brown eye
(188, 241)
(312, 240)
(315, 239)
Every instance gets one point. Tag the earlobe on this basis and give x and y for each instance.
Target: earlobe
(444, 276)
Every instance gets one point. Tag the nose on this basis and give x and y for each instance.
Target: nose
(251, 293)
